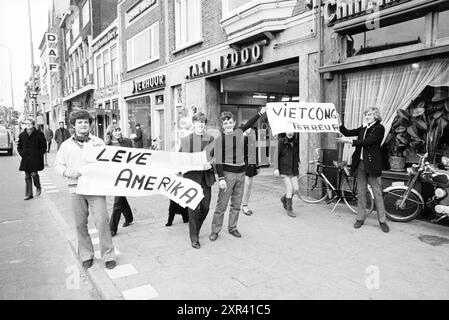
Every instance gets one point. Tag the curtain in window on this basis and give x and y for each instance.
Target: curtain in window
(389, 89)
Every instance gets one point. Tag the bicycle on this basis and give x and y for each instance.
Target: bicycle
(315, 187)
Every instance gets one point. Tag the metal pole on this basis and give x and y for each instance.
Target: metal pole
(10, 74)
(32, 63)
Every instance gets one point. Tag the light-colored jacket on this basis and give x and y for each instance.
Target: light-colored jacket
(69, 156)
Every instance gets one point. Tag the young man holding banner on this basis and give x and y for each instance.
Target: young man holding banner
(68, 161)
(367, 163)
(199, 141)
(231, 168)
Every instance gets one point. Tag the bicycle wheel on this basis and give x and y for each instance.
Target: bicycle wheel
(312, 188)
(350, 196)
(412, 206)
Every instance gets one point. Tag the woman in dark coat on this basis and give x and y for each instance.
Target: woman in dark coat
(31, 147)
(114, 138)
(367, 163)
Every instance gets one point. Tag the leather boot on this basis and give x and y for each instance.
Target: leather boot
(284, 201)
(28, 188)
(290, 207)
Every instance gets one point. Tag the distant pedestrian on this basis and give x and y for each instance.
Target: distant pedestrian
(31, 147)
(48, 137)
(138, 139)
(68, 161)
(231, 168)
(114, 138)
(287, 166)
(367, 163)
(199, 141)
(61, 134)
(252, 168)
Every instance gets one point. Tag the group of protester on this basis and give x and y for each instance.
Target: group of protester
(224, 157)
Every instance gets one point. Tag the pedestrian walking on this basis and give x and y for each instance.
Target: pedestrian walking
(367, 163)
(31, 147)
(48, 137)
(287, 166)
(121, 206)
(138, 138)
(252, 168)
(231, 167)
(199, 141)
(61, 134)
(68, 161)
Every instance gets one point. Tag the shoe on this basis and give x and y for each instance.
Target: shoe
(125, 224)
(235, 233)
(213, 236)
(247, 211)
(289, 203)
(358, 224)
(113, 233)
(168, 224)
(384, 227)
(110, 264)
(28, 198)
(38, 192)
(284, 201)
(196, 245)
(88, 263)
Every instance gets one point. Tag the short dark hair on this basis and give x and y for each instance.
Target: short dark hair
(137, 124)
(226, 115)
(80, 114)
(199, 116)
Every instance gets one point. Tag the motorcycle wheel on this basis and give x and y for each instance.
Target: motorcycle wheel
(413, 205)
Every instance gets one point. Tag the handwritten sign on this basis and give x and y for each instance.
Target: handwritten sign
(302, 117)
(120, 171)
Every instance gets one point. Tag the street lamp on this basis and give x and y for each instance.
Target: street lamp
(10, 74)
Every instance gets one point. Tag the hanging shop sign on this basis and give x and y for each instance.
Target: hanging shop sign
(335, 10)
(52, 53)
(228, 61)
(149, 84)
(112, 34)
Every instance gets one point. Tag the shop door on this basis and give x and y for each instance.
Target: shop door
(161, 133)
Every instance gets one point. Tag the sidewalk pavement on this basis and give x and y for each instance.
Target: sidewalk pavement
(317, 255)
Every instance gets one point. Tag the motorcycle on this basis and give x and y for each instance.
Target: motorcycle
(404, 203)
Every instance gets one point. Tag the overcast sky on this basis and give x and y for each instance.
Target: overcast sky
(14, 33)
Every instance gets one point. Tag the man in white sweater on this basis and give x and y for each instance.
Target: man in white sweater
(68, 161)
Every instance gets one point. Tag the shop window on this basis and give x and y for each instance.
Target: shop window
(160, 99)
(187, 22)
(388, 37)
(139, 111)
(86, 13)
(143, 48)
(443, 24)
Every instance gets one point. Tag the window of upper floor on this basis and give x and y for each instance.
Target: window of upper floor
(67, 39)
(443, 24)
(143, 47)
(76, 27)
(85, 13)
(187, 23)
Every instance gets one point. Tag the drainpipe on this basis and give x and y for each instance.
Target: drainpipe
(320, 51)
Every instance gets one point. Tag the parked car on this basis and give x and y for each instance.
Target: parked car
(5, 140)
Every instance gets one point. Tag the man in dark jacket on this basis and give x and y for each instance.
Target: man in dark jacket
(31, 147)
(61, 134)
(198, 141)
(48, 137)
(367, 163)
(138, 140)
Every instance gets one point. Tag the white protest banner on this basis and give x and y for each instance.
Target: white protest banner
(167, 161)
(302, 117)
(131, 179)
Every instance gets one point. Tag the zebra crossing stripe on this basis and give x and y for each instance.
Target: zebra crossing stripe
(51, 191)
(121, 271)
(145, 292)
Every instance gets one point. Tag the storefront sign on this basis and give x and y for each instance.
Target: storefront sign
(302, 117)
(228, 61)
(149, 84)
(112, 34)
(119, 171)
(340, 9)
(137, 10)
(52, 53)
